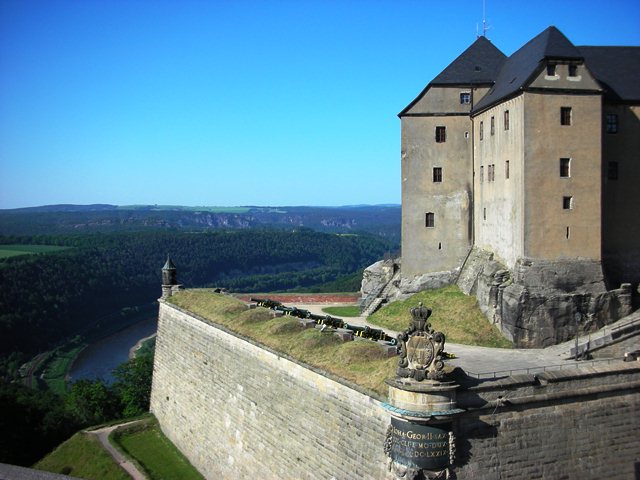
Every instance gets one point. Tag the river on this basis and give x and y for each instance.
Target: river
(100, 358)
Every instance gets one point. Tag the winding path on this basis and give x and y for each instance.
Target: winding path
(103, 436)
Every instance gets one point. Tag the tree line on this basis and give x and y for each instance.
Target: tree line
(47, 298)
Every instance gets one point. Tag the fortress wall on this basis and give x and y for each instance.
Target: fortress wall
(239, 411)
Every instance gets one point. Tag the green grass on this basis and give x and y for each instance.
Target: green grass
(343, 311)
(455, 314)
(153, 452)
(56, 370)
(82, 456)
(7, 251)
(361, 362)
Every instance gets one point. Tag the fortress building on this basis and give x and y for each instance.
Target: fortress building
(520, 182)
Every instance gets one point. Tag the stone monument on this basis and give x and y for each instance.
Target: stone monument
(420, 441)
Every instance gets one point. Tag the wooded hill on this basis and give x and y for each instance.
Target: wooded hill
(382, 220)
(47, 298)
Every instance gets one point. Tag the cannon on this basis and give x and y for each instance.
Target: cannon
(266, 302)
(371, 333)
(333, 322)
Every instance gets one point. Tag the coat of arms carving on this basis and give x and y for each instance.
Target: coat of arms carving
(421, 349)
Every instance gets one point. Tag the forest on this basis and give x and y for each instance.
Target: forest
(53, 298)
(47, 298)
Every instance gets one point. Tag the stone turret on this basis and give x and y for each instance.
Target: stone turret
(169, 279)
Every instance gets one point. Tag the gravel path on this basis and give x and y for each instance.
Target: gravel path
(103, 436)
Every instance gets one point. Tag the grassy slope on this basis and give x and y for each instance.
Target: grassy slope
(454, 313)
(362, 362)
(82, 456)
(157, 456)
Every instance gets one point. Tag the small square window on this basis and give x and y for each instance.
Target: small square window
(465, 98)
(429, 220)
(506, 119)
(565, 115)
(493, 126)
(612, 173)
(481, 130)
(573, 70)
(437, 174)
(565, 167)
(551, 70)
(567, 203)
(612, 123)
(506, 169)
(441, 134)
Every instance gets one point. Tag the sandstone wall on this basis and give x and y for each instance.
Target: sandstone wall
(239, 411)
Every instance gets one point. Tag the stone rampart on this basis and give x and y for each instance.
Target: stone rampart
(238, 410)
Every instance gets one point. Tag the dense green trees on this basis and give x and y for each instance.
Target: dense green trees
(47, 298)
(33, 422)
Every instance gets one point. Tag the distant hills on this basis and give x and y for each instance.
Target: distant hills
(383, 220)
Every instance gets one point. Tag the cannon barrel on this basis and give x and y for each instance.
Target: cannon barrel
(266, 302)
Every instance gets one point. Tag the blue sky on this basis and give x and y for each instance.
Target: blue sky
(238, 102)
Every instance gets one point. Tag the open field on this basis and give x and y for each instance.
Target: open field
(7, 251)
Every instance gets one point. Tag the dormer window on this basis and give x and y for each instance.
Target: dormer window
(551, 70)
(573, 70)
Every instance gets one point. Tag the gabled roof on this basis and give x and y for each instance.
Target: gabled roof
(518, 70)
(477, 65)
(617, 69)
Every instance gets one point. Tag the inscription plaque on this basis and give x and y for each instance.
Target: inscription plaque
(419, 446)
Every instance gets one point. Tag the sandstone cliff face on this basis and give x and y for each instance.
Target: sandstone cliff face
(541, 303)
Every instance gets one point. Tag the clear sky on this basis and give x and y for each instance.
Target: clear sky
(238, 102)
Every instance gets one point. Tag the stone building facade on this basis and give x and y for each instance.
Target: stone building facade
(529, 161)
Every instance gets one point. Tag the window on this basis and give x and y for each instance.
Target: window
(481, 173)
(506, 119)
(565, 115)
(481, 130)
(506, 169)
(612, 123)
(484, 213)
(565, 170)
(573, 70)
(612, 173)
(567, 203)
(441, 134)
(568, 233)
(437, 174)
(491, 173)
(493, 126)
(429, 220)
(551, 70)
(465, 98)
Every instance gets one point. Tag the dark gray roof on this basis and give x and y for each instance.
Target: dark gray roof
(617, 69)
(520, 67)
(477, 65)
